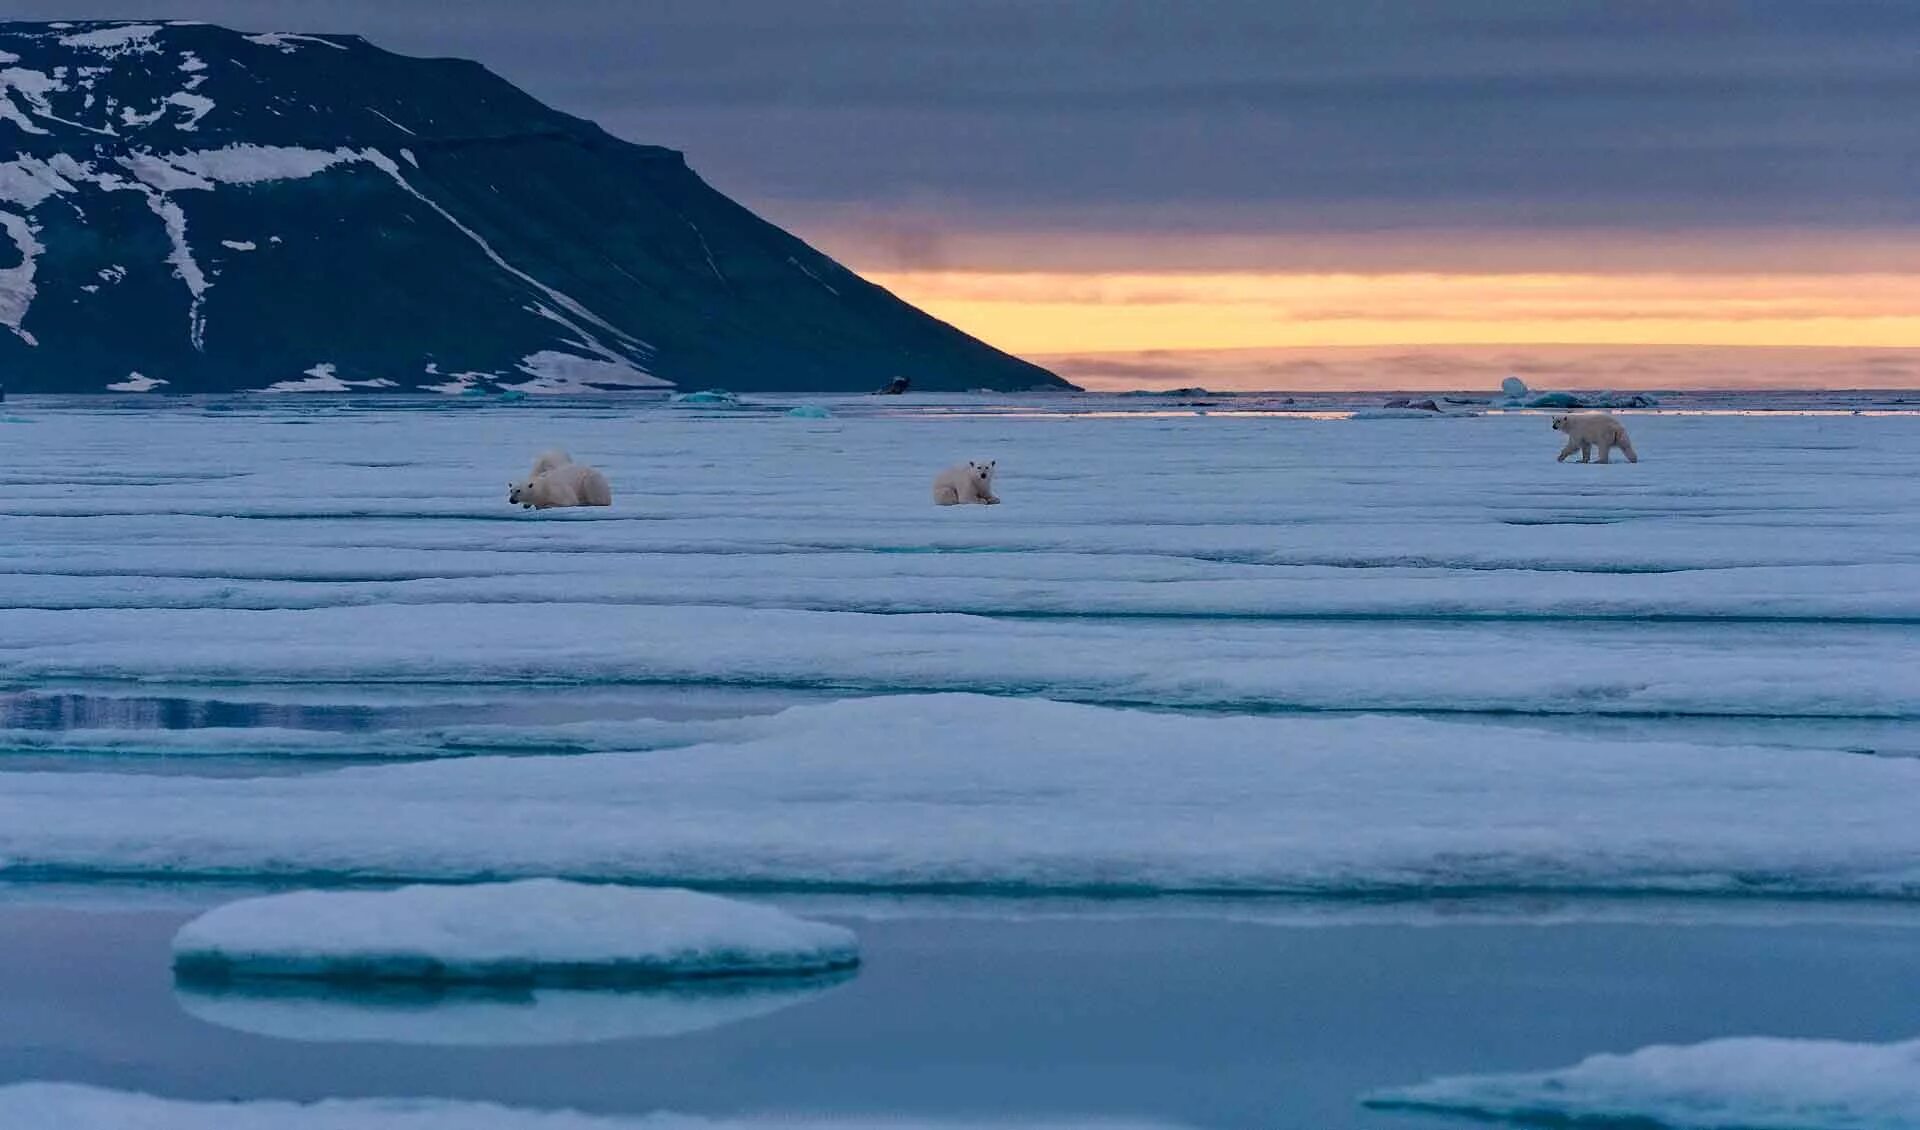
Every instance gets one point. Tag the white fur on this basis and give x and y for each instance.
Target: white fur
(1588, 430)
(548, 461)
(568, 484)
(965, 483)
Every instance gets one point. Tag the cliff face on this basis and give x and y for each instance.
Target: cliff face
(185, 204)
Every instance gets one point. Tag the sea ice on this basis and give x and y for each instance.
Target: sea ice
(532, 931)
(1754, 1083)
(976, 793)
(72, 1107)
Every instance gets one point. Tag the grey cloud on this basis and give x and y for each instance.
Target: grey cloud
(1283, 116)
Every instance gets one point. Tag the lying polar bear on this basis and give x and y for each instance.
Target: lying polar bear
(558, 481)
(965, 483)
(1587, 430)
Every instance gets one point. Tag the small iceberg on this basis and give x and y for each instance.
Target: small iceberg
(810, 412)
(1518, 395)
(534, 931)
(470, 1016)
(1756, 1083)
(719, 396)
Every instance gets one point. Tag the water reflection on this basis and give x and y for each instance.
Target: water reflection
(484, 1016)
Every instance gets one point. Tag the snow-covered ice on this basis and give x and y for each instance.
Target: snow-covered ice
(72, 1107)
(1616, 648)
(977, 793)
(533, 931)
(1754, 1083)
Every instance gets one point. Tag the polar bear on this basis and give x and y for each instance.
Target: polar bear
(1587, 430)
(548, 461)
(567, 484)
(964, 483)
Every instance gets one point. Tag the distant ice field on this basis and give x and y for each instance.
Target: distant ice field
(325, 586)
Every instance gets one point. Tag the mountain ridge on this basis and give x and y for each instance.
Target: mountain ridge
(195, 209)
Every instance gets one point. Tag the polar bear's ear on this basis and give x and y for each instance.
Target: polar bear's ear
(992, 462)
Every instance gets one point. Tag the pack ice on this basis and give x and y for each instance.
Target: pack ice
(536, 930)
(1753, 1083)
(72, 1107)
(984, 793)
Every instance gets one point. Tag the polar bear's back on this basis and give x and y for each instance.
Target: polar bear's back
(548, 461)
(590, 486)
(1593, 427)
(570, 485)
(954, 485)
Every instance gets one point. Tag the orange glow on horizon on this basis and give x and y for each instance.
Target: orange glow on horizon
(1066, 312)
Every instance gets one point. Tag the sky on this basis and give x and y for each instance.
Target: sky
(1158, 191)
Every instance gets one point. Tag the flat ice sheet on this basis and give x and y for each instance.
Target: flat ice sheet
(1638, 632)
(1754, 1083)
(535, 930)
(1751, 566)
(980, 793)
(90, 1108)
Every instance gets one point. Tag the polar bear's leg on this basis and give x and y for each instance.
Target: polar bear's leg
(1626, 449)
(1572, 446)
(944, 494)
(1586, 451)
(1606, 451)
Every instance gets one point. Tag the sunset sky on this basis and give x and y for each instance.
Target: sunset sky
(1191, 184)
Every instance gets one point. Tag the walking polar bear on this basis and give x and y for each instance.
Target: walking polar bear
(965, 483)
(557, 480)
(1588, 430)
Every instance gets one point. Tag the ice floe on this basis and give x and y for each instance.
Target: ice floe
(1754, 1083)
(973, 793)
(1526, 667)
(73, 1107)
(136, 382)
(533, 931)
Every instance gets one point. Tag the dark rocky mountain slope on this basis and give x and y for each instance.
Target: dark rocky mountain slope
(186, 204)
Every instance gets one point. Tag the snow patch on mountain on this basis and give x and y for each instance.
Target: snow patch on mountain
(322, 378)
(557, 372)
(288, 42)
(16, 283)
(257, 164)
(116, 40)
(27, 181)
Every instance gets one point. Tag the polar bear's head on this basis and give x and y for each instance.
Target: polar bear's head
(982, 472)
(1560, 423)
(521, 494)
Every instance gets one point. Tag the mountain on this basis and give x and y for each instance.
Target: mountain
(190, 208)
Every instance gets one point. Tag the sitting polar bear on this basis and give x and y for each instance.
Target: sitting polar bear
(1587, 430)
(560, 484)
(964, 483)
